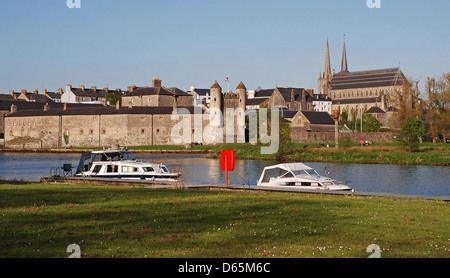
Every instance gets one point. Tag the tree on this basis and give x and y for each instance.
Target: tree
(113, 98)
(370, 123)
(412, 129)
(438, 105)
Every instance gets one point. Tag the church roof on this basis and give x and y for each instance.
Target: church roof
(367, 79)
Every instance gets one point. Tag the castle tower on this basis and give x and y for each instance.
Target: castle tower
(241, 91)
(216, 114)
(216, 102)
(325, 79)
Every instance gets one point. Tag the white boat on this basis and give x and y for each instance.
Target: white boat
(298, 175)
(119, 163)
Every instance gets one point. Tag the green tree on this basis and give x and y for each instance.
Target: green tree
(412, 129)
(113, 99)
(370, 123)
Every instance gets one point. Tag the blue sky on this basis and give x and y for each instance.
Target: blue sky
(118, 43)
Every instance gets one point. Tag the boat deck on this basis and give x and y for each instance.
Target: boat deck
(159, 184)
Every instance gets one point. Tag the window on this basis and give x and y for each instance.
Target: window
(158, 131)
(66, 132)
(112, 169)
(91, 132)
(149, 100)
(81, 132)
(143, 131)
(103, 131)
(148, 169)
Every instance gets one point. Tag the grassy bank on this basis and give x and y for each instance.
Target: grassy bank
(380, 153)
(42, 220)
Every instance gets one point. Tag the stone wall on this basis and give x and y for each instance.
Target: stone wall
(299, 135)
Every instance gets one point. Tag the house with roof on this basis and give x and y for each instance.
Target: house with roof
(157, 96)
(311, 121)
(33, 96)
(86, 95)
(295, 99)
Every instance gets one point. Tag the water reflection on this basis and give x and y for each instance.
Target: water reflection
(421, 180)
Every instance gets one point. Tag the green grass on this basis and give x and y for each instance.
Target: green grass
(41, 220)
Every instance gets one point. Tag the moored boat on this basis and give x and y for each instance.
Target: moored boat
(298, 175)
(119, 163)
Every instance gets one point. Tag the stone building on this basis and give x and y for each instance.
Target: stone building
(357, 92)
(100, 126)
(156, 96)
(83, 94)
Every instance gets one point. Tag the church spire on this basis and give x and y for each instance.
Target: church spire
(344, 65)
(327, 73)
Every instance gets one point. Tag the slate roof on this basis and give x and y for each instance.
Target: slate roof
(99, 110)
(375, 110)
(143, 91)
(367, 79)
(357, 100)
(322, 118)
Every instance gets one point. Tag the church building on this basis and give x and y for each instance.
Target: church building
(357, 92)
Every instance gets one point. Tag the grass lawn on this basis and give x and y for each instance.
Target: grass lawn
(42, 220)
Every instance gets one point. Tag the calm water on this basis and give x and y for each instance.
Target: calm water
(421, 180)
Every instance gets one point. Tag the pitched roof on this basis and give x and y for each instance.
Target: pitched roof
(357, 100)
(99, 110)
(367, 79)
(144, 91)
(322, 118)
(375, 110)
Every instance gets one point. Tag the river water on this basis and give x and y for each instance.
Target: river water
(401, 179)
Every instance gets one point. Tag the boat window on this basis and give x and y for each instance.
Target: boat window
(164, 169)
(271, 173)
(286, 174)
(112, 169)
(97, 168)
(148, 169)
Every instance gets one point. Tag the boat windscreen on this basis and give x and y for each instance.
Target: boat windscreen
(84, 163)
(275, 173)
(310, 172)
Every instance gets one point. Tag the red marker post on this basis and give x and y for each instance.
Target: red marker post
(227, 162)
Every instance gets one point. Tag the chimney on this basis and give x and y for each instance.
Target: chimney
(36, 91)
(46, 107)
(65, 106)
(82, 87)
(310, 91)
(192, 88)
(13, 108)
(94, 88)
(60, 91)
(106, 89)
(129, 89)
(175, 104)
(156, 83)
(44, 92)
(11, 92)
(117, 105)
(292, 95)
(24, 92)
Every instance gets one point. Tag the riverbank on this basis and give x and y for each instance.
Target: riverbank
(42, 220)
(379, 153)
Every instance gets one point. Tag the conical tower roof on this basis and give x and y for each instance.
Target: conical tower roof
(216, 85)
(241, 86)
